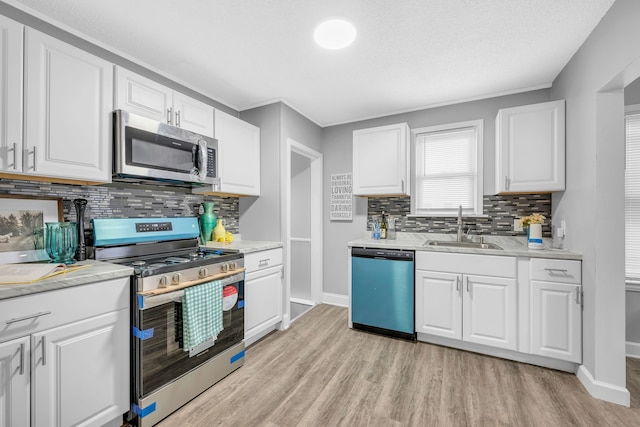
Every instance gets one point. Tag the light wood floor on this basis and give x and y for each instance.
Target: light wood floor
(321, 373)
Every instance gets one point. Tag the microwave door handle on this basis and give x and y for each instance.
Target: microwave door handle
(202, 160)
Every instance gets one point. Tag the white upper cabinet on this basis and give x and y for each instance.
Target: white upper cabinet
(381, 161)
(238, 157)
(140, 95)
(10, 95)
(530, 148)
(68, 98)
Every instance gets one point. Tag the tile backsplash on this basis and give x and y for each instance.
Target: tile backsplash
(127, 201)
(500, 212)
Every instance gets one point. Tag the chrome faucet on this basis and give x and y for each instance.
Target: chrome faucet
(460, 232)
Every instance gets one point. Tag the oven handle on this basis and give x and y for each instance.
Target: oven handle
(153, 300)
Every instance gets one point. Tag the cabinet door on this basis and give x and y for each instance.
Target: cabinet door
(10, 95)
(439, 304)
(192, 115)
(140, 95)
(381, 160)
(80, 371)
(556, 320)
(530, 148)
(490, 311)
(262, 300)
(68, 95)
(239, 155)
(14, 383)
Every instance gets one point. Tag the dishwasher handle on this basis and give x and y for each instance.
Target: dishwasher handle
(396, 255)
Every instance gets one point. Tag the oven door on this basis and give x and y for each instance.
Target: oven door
(159, 357)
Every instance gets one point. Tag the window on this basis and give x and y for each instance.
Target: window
(447, 169)
(632, 195)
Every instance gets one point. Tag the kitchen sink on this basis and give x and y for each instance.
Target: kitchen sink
(470, 245)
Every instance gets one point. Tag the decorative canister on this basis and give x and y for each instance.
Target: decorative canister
(208, 221)
(61, 241)
(219, 233)
(535, 236)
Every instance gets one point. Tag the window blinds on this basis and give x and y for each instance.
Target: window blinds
(632, 197)
(446, 171)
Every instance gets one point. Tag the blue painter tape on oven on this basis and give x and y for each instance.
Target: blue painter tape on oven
(142, 335)
(143, 412)
(535, 240)
(140, 302)
(236, 357)
(241, 304)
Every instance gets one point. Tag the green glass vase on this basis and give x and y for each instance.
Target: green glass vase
(208, 221)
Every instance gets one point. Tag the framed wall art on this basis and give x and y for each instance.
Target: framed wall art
(22, 222)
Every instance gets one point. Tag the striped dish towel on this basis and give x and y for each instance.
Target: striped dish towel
(201, 313)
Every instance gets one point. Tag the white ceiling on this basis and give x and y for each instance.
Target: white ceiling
(408, 55)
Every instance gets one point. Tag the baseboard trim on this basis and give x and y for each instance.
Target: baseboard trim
(335, 299)
(633, 349)
(604, 391)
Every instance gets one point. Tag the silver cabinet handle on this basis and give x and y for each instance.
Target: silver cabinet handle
(21, 358)
(458, 283)
(169, 116)
(43, 342)
(506, 183)
(577, 295)
(558, 270)
(178, 118)
(466, 281)
(35, 159)
(402, 185)
(263, 262)
(15, 167)
(31, 316)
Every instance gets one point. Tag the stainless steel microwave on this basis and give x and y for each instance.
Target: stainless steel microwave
(148, 150)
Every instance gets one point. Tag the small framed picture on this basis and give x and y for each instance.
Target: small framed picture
(22, 223)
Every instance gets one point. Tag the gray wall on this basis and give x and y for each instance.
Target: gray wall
(337, 151)
(260, 217)
(632, 93)
(593, 204)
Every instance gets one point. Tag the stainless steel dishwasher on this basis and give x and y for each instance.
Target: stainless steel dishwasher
(382, 291)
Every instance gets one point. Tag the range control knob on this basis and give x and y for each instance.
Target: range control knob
(233, 265)
(224, 267)
(164, 280)
(177, 277)
(203, 272)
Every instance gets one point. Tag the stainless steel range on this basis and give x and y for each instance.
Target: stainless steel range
(164, 253)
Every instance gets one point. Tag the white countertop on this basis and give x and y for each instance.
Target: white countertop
(511, 246)
(97, 272)
(245, 246)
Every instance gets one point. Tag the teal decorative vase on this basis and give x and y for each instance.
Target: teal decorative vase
(61, 241)
(208, 221)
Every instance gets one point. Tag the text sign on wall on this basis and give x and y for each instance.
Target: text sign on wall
(341, 197)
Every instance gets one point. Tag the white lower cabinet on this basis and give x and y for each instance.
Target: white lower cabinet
(69, 364)
(478, 309)
(262, 293)
(556, 309)
(15, 382)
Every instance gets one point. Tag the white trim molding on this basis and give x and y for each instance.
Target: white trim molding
(335, 299)
(633, 349)
(604, 391)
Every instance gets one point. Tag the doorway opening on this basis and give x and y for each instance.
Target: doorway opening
(303, 229)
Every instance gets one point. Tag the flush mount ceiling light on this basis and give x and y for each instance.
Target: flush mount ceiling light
(335, 33)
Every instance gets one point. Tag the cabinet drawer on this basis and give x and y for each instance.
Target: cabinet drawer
(485, 265)
(60, 307)
(263, 259)
(556, 270)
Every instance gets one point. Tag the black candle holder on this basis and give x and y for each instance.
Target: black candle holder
(80, 205)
